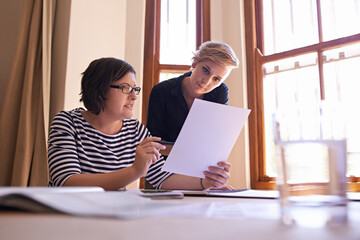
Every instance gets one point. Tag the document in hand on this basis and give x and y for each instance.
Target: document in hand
(207, 137)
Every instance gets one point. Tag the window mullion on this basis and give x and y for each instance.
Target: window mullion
(320, 33)
(319, 52)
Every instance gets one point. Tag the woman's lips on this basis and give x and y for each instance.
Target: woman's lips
(201, 86)
(129, 106)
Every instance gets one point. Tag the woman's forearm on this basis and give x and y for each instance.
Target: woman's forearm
(108, 181)
(178, 181)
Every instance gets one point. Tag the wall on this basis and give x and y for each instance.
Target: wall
(134, 42)
(97, 29)
(227, 25)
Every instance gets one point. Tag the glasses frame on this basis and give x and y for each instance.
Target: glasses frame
(127, 89)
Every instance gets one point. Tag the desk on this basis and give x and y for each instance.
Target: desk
(30, 226)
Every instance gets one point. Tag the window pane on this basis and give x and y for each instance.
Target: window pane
(178, 31)
(167, 75)
(307, 162)
(289, 24)
(291, 91)
(342, 87)
(340, 18)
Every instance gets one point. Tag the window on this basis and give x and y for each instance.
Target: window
(174, 29)
(303, 57)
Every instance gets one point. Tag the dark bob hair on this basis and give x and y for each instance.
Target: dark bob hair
(96, 81)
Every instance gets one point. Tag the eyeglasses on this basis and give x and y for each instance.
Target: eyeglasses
(127, 89)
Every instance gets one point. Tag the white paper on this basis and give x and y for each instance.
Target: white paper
(206, 138)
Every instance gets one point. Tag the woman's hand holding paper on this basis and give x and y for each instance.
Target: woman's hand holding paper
(217, 176)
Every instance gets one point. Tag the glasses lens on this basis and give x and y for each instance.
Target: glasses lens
(137, 90)
(126, 89)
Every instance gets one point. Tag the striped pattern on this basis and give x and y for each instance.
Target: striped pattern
(76, 147)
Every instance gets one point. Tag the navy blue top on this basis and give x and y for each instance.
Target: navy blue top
(168, 110)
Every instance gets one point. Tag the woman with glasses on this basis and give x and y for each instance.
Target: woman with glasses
(101, 145)
(171, 100)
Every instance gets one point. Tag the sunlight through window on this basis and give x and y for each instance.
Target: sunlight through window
(302, 90)
(178, 31)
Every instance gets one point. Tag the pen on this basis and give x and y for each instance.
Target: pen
(166, 143)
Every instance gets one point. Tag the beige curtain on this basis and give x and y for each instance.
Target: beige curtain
(25, 112)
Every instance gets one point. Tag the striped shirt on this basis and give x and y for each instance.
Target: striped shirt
(76, 147)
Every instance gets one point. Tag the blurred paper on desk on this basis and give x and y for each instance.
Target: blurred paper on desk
(206, 138)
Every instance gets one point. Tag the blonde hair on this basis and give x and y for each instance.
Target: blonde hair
(219, 52)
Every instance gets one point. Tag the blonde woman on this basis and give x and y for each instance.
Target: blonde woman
(171, 100)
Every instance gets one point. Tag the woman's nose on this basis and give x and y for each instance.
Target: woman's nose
(133, 95)
(205, 81)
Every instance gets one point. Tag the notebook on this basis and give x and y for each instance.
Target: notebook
(236, 193)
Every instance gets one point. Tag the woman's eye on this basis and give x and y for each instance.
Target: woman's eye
(205, 70)
(216, 79)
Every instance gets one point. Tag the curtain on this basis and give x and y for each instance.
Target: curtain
(24, 119)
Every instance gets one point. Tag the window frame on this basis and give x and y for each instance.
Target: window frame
(152, 66)
(255, 60)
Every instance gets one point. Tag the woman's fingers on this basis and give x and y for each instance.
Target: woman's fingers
(215, 171)
(221, 178)
(225, 165)
(218, 176)
(150, 148)
(151, 139)
(152, 142)
(211, 183)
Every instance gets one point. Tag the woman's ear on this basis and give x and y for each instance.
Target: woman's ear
(193, 65)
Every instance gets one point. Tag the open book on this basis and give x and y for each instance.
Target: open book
(84, 201)
(38, 199)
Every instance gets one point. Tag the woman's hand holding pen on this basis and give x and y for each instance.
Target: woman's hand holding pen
(147, 153)
(217, 176)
